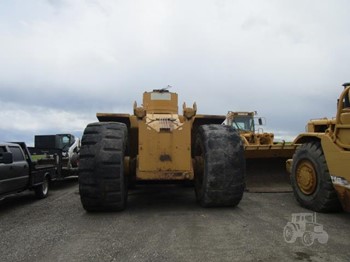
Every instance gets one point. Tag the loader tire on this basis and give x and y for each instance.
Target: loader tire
(311, 181)
(102, 183)
(219, 166)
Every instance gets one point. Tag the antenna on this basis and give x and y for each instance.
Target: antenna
(163, 90)
(166, 88)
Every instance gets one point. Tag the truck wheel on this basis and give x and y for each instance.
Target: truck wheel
(311, 181)
(219, 167)
(102, 183)
(42, 190)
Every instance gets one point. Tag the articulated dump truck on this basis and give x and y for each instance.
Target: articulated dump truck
(320, 168)
(265, 158)
(154, 144)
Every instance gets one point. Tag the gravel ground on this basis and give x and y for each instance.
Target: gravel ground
(161, 223)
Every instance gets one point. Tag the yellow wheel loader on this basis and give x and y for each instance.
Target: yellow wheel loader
(265, 158)
(154, 144)
(320, 168)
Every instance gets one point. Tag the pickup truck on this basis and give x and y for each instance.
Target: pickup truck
(18, 171)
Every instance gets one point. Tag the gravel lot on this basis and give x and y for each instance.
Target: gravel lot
(161, 223)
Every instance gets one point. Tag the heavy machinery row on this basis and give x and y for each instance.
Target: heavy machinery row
(221, 155)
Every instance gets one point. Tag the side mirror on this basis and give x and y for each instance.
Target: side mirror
(260, 121)
(6, 158)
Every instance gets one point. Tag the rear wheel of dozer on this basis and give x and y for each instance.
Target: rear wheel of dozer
(219, 166)
(102, 183)
(311, 180)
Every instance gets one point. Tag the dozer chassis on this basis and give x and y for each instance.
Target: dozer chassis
(157, 144)
(320, 167)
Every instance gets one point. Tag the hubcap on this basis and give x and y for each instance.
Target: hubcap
(306, 177)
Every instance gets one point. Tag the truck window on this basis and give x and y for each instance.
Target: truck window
(17, 154)
(2, 150)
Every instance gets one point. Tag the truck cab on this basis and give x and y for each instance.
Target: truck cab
(14, 169)
(19, 172)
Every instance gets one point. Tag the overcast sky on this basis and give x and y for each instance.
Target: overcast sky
(61, 61)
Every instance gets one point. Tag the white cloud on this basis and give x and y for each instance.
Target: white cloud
(35, 119)
(285, 59)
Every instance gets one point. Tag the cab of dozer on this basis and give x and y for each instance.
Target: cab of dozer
(320, 167)
(156, 143)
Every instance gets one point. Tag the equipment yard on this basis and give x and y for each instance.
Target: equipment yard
(162, 223)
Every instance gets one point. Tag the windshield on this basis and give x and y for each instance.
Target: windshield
(245, 123)
(65, 142)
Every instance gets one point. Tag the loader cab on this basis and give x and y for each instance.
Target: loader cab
(242, 121)
(347, 97)
(65, 141)
(342, 130)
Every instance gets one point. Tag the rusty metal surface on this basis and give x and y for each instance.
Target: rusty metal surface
(343, 192)
(267, 175)
(164, 175)
(269, 151)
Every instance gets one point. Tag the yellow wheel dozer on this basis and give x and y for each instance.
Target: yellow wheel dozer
(320, 167)
(155, 144)
(265, 159)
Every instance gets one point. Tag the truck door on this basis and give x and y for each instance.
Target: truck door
(4, 173)
(17, 176)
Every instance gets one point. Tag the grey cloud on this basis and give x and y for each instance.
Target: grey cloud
(99, 56)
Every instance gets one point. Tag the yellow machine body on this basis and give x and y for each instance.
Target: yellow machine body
(160, 138)
(334, 135)
(265, 158)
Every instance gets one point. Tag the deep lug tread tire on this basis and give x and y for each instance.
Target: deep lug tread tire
(324, 198)
(102, 183)
(221, 180)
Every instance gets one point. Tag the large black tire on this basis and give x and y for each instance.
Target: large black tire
(102, 183)
(219, 166)
(311, 181)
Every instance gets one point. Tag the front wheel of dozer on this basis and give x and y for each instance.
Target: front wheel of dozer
(219, 168)
(311, 181)
(102, 183)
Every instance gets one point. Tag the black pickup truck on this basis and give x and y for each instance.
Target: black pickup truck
(18, 171)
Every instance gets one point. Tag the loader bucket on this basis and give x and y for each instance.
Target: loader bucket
(266, 168)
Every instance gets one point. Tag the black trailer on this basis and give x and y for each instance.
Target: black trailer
(61, 149)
